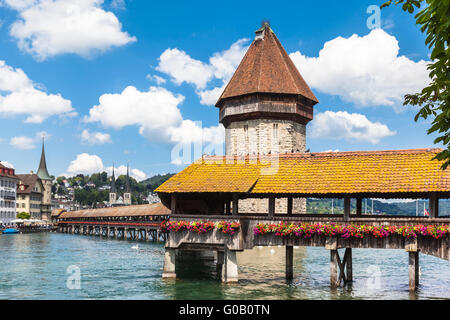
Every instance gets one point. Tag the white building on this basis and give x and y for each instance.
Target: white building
(8, 187)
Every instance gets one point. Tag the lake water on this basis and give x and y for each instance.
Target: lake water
(35, 266)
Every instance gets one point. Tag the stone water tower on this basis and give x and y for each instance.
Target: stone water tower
(265, 108)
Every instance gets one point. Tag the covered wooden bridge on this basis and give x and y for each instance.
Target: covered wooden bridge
(126, 222)
(211, 190)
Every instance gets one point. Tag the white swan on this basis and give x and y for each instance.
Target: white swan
(135, 247)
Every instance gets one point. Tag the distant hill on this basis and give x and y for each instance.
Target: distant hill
(398, 208)
(154, 182)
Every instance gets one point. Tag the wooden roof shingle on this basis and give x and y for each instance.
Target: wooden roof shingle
(267, 68)
(312, 174)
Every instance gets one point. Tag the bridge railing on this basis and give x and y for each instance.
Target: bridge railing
(110, 223)
(245, 238)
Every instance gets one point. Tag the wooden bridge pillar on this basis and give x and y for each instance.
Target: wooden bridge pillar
(230, 267)
(289, 262)
(413, 270)
(348, 264)
(345, 268)
(220, 262)
(169, 264)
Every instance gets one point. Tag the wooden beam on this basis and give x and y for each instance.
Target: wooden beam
(358, 206)
(228, 208)
(289, 262)
(235, 204)
(434, 206)
(173, 203)
(413, 270)
(271, 206)
(289, 205)
(346, 209)
(334, 258)
(348, 264)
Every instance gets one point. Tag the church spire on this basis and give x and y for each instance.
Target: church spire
(42, 170)
(127, 185)
(113, 182)
(127, 193)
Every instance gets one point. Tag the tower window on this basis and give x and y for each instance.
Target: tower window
(275, 131)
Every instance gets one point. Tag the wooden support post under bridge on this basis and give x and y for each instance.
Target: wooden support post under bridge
(413, 263)
(344, 267)
(289, 262)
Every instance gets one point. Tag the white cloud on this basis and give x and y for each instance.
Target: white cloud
(7, 164)
(192, 132)
(156, 113)
(25, 143)
(348, 126)
(89, 164)
(159, 80)
(153, 111)
(395, 200)
(182, 68)
(42, 134)
(22, 143)
(22, 97)
(177, 161)
(364, 70)
(122, 170)
(225, 63)
(46, 28)
(138, 175)
(13, 79)
(210, 97)
(85, 164)
(118, 4)
(95, 137)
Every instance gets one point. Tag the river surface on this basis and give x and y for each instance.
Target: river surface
(45, 266)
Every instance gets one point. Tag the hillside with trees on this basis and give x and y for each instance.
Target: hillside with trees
(92, 190)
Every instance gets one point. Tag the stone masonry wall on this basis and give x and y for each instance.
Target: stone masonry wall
(264, 136)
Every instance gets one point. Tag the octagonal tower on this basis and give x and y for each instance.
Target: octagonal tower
(265, 108)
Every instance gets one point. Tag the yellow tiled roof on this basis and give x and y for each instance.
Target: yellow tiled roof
(121, 211)
(397, 171)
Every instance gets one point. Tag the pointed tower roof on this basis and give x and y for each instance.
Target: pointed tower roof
(113, 182)
(266, 68)
(127, 185)
(42, 170)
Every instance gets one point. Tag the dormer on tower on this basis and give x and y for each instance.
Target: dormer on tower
(266, 105)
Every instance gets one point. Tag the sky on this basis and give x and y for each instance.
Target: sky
(133, 81)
